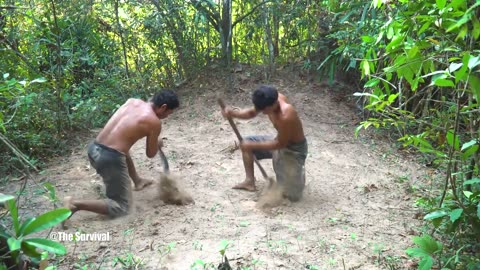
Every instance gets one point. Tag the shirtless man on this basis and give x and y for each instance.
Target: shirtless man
(109, 153)
(288, 149)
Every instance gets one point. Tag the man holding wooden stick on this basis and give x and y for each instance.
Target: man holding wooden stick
(109, 153)
(288, 149)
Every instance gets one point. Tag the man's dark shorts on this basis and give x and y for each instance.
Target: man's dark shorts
(288, 164)
(112, 166)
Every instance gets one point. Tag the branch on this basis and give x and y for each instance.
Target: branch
(12, 7)
(212, 16)
(249, 13)
(10, 46)
(22, 157)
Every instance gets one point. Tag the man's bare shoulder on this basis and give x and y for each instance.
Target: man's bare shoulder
(288, 112)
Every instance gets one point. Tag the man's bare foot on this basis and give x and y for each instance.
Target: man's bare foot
(143, 183)
(246, 185)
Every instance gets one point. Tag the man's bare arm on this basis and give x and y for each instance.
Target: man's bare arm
(241, 114)
(281, 141)
(152, 139)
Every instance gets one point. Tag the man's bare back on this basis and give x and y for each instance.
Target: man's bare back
(286, 115)
(131, 122)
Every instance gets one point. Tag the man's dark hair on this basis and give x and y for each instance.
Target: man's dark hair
(264, 96)
(166, 96)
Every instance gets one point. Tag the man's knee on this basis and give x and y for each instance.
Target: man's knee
(294, 196)
(118, 208)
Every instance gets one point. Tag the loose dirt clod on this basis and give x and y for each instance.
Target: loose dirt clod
(171, 193)
(272, 196)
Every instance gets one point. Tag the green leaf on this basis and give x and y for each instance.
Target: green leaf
(441, 3)
(472, 181)
(12, 207)
(39, 80)
(454, 67)
(478, 210)
(358, 94)
(470, 152)
(30, 250)
(463, 32)
(365, 67)
(395, 43)
(476, 28)
(5, 75)
(412, 52)
(465, 18)
(223, 246)
(467, 194)
(417, 252)
(455, 214)
(473, 62)
(452, 140)
(425, 26)
(25, 224)
(469, 144)
(474, 83)
(47, 245)
(427, 243)
(368, 39)
(426, 263)
(47, 220)
(14, 243)
(444, 83)
(5, 197)
(371, 83)
(435, 215)
(51, 191)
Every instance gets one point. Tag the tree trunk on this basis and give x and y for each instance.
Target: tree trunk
(226, 32)
(120, 34)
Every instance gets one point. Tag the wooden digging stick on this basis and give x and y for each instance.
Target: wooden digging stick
(234, 127)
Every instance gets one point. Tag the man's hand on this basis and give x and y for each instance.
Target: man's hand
(227, 112)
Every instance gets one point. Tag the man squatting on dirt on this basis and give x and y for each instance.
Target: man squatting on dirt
(109, 153)
(288, 149)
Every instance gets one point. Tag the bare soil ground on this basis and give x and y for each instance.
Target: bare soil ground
(357, 210)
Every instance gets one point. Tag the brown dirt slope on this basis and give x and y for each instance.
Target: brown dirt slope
(356, 212)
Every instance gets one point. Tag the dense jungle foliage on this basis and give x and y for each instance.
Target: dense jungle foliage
(66, 65)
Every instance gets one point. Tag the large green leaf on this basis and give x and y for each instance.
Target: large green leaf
(12, 207)
(14, 243)
(444, 83)
(25, 224)
(473, 62)
(472, 181)
(5, 197)
(47, 245)
(435, 215)
(441, 3)
(30, 250)
(427, 243)
(470, 152)
(455, 214)
(468, 144)
(47, 220)
(426, 263)
(417, 252)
